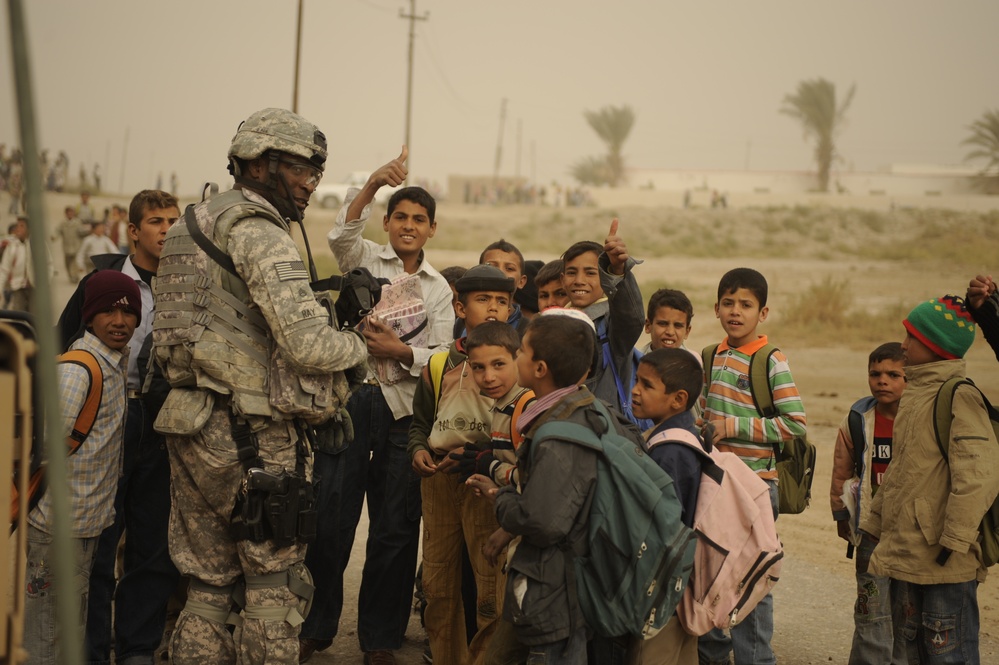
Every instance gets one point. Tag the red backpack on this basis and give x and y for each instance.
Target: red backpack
(738, 557)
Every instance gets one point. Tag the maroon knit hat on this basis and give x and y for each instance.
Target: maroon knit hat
(110, 289)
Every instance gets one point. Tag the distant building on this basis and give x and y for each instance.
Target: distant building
(895, 180)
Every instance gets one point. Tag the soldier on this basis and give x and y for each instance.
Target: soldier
(253, 361)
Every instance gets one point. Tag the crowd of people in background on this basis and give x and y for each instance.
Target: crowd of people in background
(512, 192)
(54, 176)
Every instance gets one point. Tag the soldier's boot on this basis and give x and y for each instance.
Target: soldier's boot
(202, 631)
(276, 605)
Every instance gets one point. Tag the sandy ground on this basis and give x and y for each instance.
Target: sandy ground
(814, 598)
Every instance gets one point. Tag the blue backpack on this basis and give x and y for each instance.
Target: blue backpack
(640, 552)
(623, 391)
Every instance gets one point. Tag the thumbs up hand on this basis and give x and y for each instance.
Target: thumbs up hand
(615, 249)
(392, 174)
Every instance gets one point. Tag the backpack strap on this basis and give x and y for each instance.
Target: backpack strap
(209, 247)
(598, 423)
(81, 428)
(603, 338)
(516, 437)
(683, 437)
(437, 363)
(708, 358)
(92, 404)
(943, 411)
(675, 435)
(759, 379)
(855, 422)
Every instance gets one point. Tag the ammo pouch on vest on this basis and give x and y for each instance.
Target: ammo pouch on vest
(185, 411)
(280, 507)
(313, 397)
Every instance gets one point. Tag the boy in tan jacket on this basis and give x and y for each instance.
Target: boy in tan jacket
(926, 514)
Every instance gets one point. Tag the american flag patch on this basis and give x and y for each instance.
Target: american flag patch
(289, 270)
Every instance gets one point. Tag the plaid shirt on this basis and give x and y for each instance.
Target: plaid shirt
(94, 469)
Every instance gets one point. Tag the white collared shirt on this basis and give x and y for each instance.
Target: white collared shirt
(352, 251)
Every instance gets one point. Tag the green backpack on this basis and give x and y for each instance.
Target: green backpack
(640, 552)
(943, 417)
(796, 462)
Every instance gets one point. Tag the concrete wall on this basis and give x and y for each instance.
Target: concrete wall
(902, 186)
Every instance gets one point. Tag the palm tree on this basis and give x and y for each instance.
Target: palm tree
(985, 137)
(814, 105)
(613, 125)
(591, 171)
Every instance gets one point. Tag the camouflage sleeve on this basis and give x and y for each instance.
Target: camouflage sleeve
(269, 262)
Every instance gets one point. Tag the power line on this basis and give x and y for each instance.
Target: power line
(427, 45)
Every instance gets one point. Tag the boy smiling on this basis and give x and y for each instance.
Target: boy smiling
(600, 282)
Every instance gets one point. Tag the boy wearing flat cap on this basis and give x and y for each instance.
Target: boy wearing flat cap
(111, 310)
(449, 413)
(926, 514)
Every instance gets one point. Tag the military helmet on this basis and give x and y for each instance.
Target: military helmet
(282, 130)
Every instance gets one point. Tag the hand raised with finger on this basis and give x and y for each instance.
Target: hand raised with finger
(392, 174)
(615, 249)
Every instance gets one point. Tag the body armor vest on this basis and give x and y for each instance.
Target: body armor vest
(208, 334)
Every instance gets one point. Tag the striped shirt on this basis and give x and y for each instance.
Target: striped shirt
(728, 404)
(504, 469)
(93, 470)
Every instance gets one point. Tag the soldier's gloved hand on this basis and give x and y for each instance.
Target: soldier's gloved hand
(360, 292)
(346, 424)
(333, 436)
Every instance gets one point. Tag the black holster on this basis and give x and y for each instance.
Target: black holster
(275, 506)
(278, 506)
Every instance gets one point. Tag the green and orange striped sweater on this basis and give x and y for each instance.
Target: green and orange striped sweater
(728, 404)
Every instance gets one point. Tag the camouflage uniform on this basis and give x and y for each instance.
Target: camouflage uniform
(257, 345)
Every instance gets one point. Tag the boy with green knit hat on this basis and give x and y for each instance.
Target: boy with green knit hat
(926, 515)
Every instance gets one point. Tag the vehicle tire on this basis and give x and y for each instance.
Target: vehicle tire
(330, 201)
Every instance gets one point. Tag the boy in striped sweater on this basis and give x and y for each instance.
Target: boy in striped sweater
(730, 407)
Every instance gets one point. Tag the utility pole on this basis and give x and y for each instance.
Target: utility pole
(124, 154)
(519, 127)
(499, 142)
(298, 59)
(534, 164)
(413, 18)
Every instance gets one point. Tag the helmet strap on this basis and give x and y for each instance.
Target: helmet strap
(296, 216)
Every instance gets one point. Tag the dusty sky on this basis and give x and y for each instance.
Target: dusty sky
(705, 78)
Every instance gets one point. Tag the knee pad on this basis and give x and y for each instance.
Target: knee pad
(214, 603)
(297, 579)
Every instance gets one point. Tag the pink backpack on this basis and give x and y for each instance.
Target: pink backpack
(738, 557)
